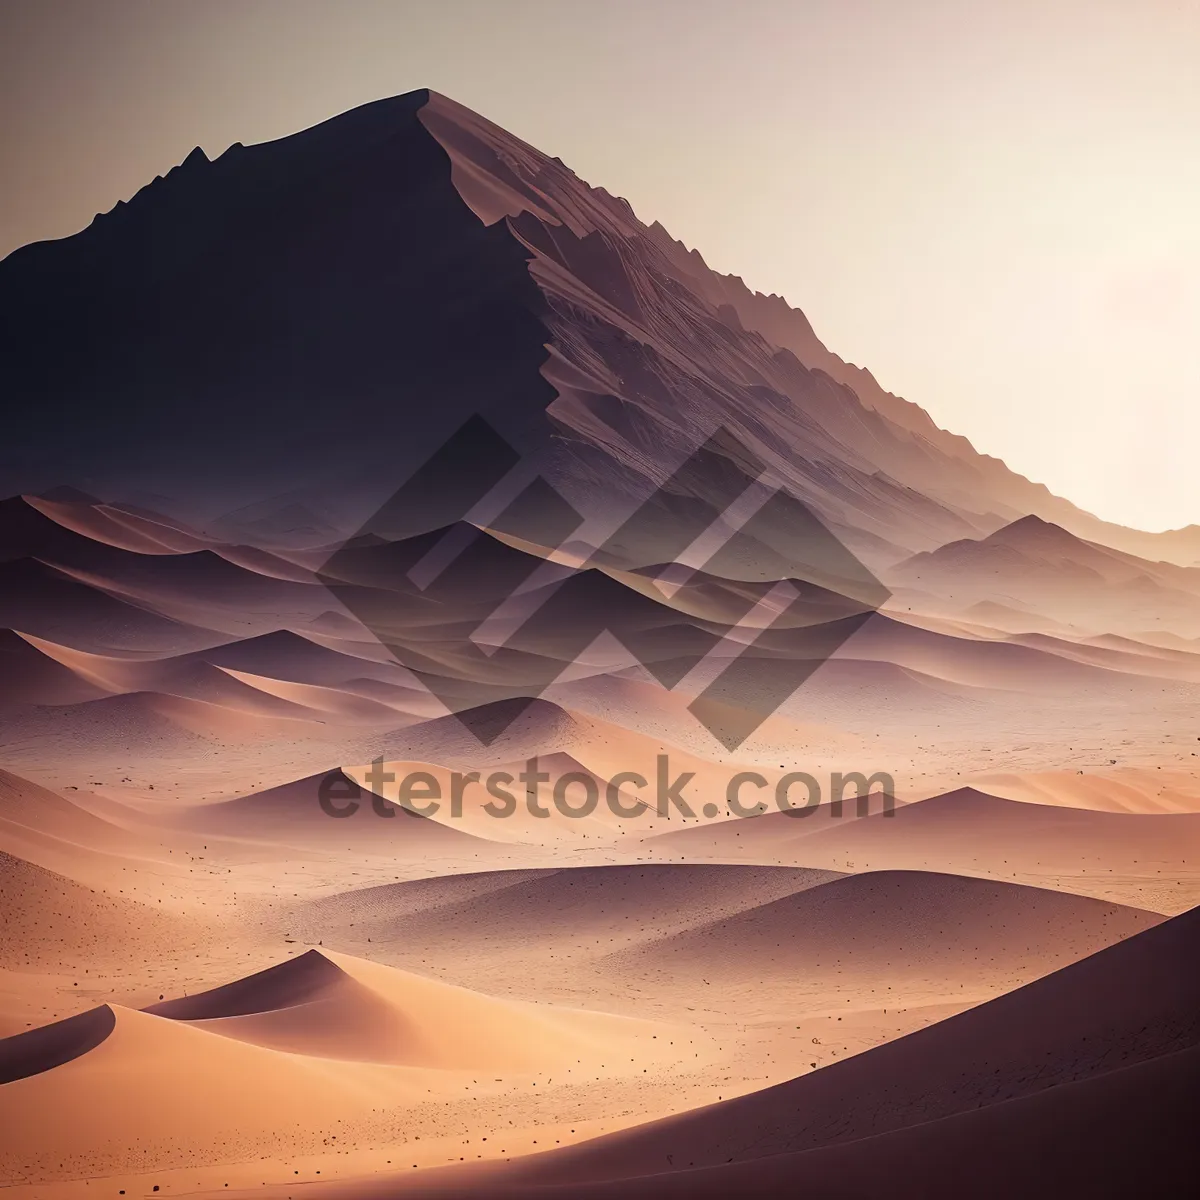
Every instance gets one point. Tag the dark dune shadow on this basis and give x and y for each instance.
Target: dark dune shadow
(40, 1050)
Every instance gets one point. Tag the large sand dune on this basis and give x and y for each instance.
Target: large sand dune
(81, 935)
(292, 815)
(280, 1059)
(571, 911)
(28, 807)
(901, 937)
(1132, 1118)
(1100, 852)
(1106, 1043)
(1093, 845)
(333, 1006)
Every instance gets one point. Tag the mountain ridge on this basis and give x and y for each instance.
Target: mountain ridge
(300, 292)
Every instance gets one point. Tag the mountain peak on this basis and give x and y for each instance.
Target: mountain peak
(1032, 528)
(403, 266)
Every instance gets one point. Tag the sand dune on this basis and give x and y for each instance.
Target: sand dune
(1121, 789)
(51, 603)
(97, 734)
(265, 563)
(321, 702)
(43, 1049)
(1117, 854)
(54, 923)
(112, 527)
(1118, 1025)
(334, 1006)
(154, 526)
(193, 678)
(492, 807)
(57, 847)
(663, 631)
(846, 684)
(374, 907)
(615, 738)
(770, 836)
(539, 725)
(1135, 654)
(278, 1061)
(75, 534)
(27, 806)
(285, 654)
(291, 815)
(575, 911)
(128, 548)
(34, 677)
(1119, 654)
(71, 567)
(560, 764)
(283, 521)
(52, 673)
(189, 587)
(902, 937)
(1132, 1119)
(202, 586)
(124, 1104)
(974, 663)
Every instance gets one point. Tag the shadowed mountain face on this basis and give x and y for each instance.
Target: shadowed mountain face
(278, 315)
(308, 319)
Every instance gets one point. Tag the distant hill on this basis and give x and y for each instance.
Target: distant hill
(1044, 569)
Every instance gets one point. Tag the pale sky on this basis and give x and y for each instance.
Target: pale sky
(992, 206)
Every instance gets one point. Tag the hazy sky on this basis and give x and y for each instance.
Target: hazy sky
(993, 206)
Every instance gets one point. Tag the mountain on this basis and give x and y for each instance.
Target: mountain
(312, 317)
(1040, 566)
(1032, 541)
